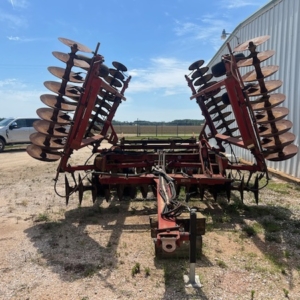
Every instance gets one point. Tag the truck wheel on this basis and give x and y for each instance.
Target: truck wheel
(2, 144)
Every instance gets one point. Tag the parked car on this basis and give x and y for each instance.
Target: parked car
(15, 131)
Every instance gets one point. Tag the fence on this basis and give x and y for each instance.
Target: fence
(157, 130)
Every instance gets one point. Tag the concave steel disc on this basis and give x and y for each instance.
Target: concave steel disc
(43, 154)
(230, 131)
(64, 57)
(262, 56)
(196, 65)
(200, 72)
(210, 93)
(217, 109)
(213, 101)
(113, 81)
(50, 128)
(256, 41)
(280, 141)
(103, 103)
(204, 79)
(100, 111)
(285, 153)
(116, 74)
(225, 124)
(106, 95)
(272, 115)
(72, 91)
(44, 141)
(60, 73)
(58, 102)
(221, 116)
(266, 71)
(266, 102)
(52, 115)
(119, 66)
(70, 43)
(277, 128)
(271, 86)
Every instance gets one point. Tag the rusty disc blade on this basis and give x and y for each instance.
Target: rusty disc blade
(272, 115)
(196, 65)
(64, 57)
(200, 72)
(277, 128)
(213, 102)
(60, 73)
(47, 142)
(72, 91)
(58, 102)
(256, 41)
(217, 109)
(113, 81)
(270, 85)
(266, 71)
(210, 93)
(203, 80)
(279, 141)
(103, 103)
(119, 66)
(50, 128)
(285, 153)
(43, 154)
(221, 116)
(225, 124)
(116, 74)
(267, 102)
(262, 56)
(79, 46)
(54, 115)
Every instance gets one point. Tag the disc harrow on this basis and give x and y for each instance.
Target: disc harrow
(239, 111)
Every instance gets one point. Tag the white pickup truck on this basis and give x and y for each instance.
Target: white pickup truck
(15, 131)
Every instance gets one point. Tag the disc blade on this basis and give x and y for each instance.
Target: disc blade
(213, 102)
(256, 41)
(58, 102)
(70, 91)
(47, 142)
(202, 80)
(266, 71)
(50, 128)
(196, 65)
(106, 95)
(116, 74)
(64, 57)
(221, 116)
(225, 124)
(210, 93)
(60, 73)
(271, 86)
(217, 109)
(284, 154)
(113, 81)
(230, 131)
(272, 115)
(200, 72)
(267, 102)
(79, 46)
(52, 115)
(262, 56)
(119, 66)
(277, 128)
(43, 154)
(279, 141)
(104, 104)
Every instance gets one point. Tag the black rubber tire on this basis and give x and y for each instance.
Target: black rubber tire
(2, 144)
(219, 69)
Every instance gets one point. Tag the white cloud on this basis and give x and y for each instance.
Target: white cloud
(17, 38)
(12, 20)
(19, 3)
(240, 3)
(164, 76)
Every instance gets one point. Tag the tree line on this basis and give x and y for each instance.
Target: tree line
(184, 122)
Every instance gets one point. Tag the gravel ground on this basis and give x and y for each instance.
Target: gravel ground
(53, 251)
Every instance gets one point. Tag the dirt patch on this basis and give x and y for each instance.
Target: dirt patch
(53, 251)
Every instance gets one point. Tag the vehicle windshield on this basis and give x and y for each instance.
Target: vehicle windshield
(5, 122)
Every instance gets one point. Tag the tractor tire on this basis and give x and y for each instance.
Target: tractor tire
(2, 144)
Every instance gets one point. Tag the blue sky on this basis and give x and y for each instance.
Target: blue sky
(156, 40)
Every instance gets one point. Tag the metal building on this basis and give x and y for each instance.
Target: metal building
(281, 20)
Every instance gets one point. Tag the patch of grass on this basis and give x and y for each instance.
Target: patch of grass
(273, 237)
(271, 226)
(136, 269)
(147, 271)
(286, 293)
(221, 264)
(252, 230)
(42, 217)
(281, 188)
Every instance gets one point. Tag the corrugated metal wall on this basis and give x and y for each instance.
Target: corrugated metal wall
(280, 20)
